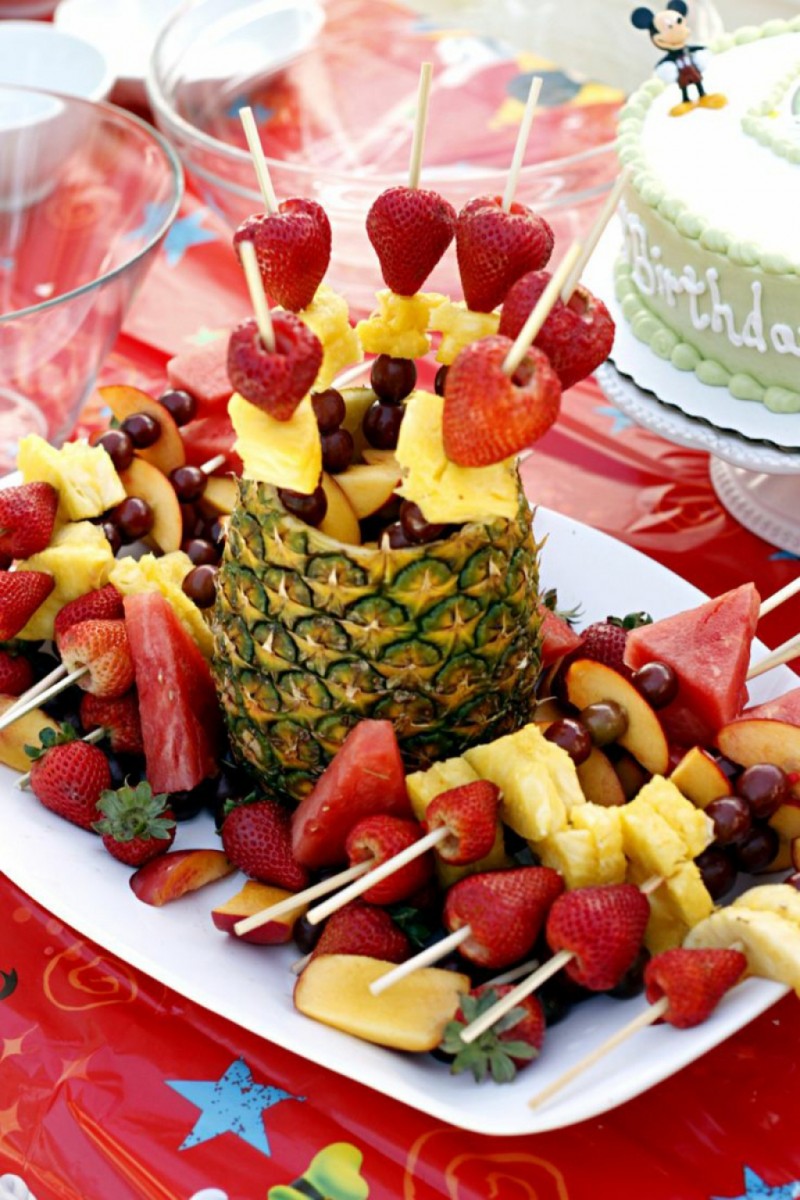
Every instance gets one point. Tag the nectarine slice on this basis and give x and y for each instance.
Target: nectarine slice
(172, 875)
(589, 682)
(340, 521)
(168, 452)
(144, 480)
(252, 898)
(700, 778)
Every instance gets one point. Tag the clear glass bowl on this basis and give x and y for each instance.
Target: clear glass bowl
(333, 90)
(87, 194)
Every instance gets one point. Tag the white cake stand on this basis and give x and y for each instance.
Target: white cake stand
(754, 454)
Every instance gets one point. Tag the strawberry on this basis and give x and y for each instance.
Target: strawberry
(293, 249)
(21, 593)
(489, 415)
(274, 380)
(361, 928)
(379, 837)
(469, 813)
(409, 229)
(577, 336)
(119, 716)
(693, 981)
(102, 604)
(256, 836)
(505, 911)
(27, 517)
(604, 641)
(135, 825)
(103, 648)
(602, 927)
(494, 248)
(512, 1042)
(69, 777)
(16, 673)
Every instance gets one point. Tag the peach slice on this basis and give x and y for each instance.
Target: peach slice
(177, 872)
(168, 452)
(340, 521)
(334, 989)
(751, 740)
(23, 732)
(599, 781)
(252, 898)
(144, 480)
(372, 455)
(700, 778)
(368, 486)
(220, 495)
(631, 774)
(589, 682)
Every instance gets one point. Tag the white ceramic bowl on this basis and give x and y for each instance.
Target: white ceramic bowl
(37, 54)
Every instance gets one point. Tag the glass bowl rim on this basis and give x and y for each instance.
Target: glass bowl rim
(162, 106)
(122, 117)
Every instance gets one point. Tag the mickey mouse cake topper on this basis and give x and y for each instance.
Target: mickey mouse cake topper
(682, 64)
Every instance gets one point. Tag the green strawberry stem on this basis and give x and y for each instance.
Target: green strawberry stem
(507, 1002)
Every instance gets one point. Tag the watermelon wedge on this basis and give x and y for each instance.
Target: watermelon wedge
(182, 727)
(558, 637)
(365, 777)
(203, 372)
(708, 647)
(782, 708)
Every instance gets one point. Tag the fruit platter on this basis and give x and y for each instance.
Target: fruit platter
(337, 736)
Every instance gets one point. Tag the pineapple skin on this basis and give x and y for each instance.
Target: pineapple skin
(312, 635)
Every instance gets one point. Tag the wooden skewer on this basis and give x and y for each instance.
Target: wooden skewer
(323, 888)
(425, 957)
(382, 871)
(539, 313)
(208, 468)
(258, 298)
(420, 121)
(35, 690)
(514, 973)
(96, 735)
(522, 142)
(648, 1017)
(259, 162)
(773, 601)
(597, 230)
(9, 717)
(781, 654)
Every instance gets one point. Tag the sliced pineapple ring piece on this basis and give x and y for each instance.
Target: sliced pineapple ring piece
(329, 318)
(287, 454)
(84, 476)
(771, 943)
(164, 574)
(446, 493)
(459, 326)
(80, 560)
(780, 898)
(398, 325)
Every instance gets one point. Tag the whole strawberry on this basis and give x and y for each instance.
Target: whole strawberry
(602, 927)
(119, 716)
(27, 517)
(103, 649)
(489, 415)
(21, 593)
(604, 641)
(293, 249)
(69, 777)
(577, 336)
(379, 837)
(256, 836)
(101, 604)
(366, 929)
(16, 673)
(693, 981)
(135, 825)
(274, 380)
(505, 911)
(494, 248)
(512, 1042)
(469, 813)
(409, 229)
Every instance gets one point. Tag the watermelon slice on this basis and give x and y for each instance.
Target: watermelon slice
(182, 727)
(782, 708)
(558, 637)
(203, 372)
(708, 647)
(206, 437)
(365, 777)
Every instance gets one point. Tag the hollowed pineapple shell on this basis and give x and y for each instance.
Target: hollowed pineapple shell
(312, 635)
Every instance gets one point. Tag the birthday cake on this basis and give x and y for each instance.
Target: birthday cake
(709, 276)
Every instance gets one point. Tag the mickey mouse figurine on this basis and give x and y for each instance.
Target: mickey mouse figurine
(681, 64)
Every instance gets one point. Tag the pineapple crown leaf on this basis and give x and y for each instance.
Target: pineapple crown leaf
(570, 615)
(490, 1053)
(48, 738)
(134, 812)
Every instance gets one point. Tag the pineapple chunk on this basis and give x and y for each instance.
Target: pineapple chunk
(780, 898)
(84, 476)
(287, 454)
(771, 943)
(80, 560)
(459, 326)
(650, 841)
(665, 926)
(165, 575)
(328, 317)
(696, 830)
(688, 896)
(572, 852)
(398, 327)
(446, 493)
(606, 829)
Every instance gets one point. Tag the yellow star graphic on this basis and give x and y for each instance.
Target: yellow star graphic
(8, 1121)
(11, 1047)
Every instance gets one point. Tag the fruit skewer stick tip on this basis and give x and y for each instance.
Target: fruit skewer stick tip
(300, 899)
(259, 161)
(522, 142)
(785, 593)
(19, 710)
(431, 954)
(781, 654)
(540, 312)
(596, 232)
(376, 874)
(648, 1017)
(420, 122)
(208, 468)
(258, 298)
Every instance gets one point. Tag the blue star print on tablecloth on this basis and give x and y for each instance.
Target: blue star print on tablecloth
(232, 1104)
(185, 233)
(621, 422)
(152, 221)
(261, 113)
(757, 1189)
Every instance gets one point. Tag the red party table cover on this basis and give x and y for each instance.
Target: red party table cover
(114, 1087)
